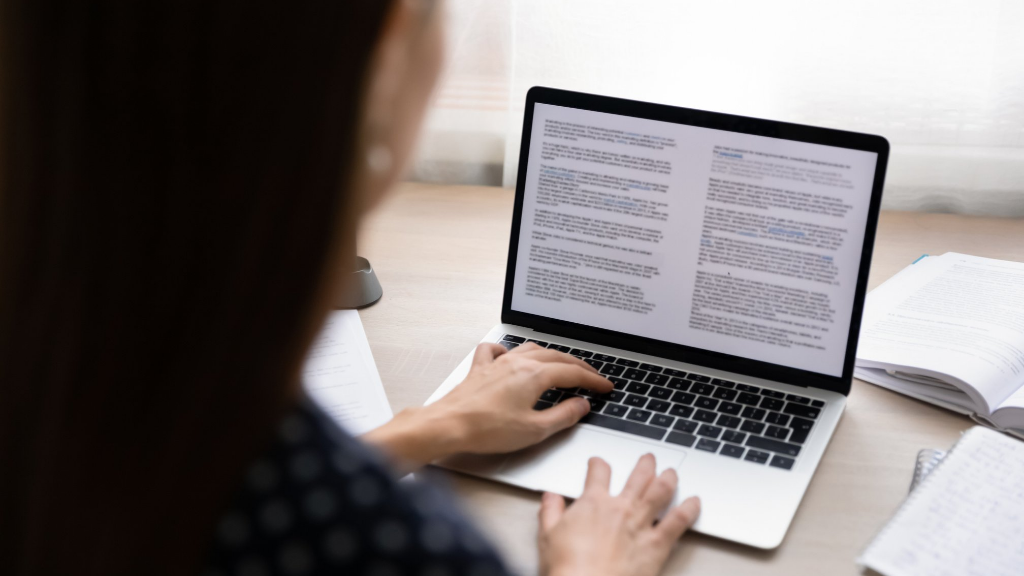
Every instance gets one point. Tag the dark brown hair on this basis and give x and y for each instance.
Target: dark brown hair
(172, 191)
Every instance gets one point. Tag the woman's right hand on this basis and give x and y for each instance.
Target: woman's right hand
(606, 535)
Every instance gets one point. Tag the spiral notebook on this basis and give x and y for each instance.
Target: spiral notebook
(965, 518)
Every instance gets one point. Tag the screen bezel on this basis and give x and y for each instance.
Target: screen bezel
(718, 121)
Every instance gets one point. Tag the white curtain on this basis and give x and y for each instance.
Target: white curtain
(943, 80)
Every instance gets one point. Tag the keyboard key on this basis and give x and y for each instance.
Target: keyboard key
(559, 347)
(604, 357)
(511, 338)
(581, 353)
(776, 418)
(756, 456)
(672, 372)
(747, 388)
(772, 404)
(774, 445)
(628, 426)
(688, 426)
(637, 388)
(619, 383)
(705, 416)
(800, 399)
(724, 394)
(679, 384)
(730, 408)
(635, 374)
(818, 403)
(658, 405)
(724, 383)
(681, 438)
(614, 396)
(540, 343)
(596, 404)
(801, 410)
(781, 462)
(617, 410)
(627, 363)
(709, 431)
(656, 379)
(732, 451)
(801, 430)
(734, 436)
(728, 421)
(772, 393)
(650, 367)
(612, 370)
(542, 405)
(662, 420)
(684, 398)
(659, 393)
(681, 411)
(799, 436)
(635, 401)
(777, 432)
(754, 413)
(796, 423)
(702, 389)
(748, 398)
(752, 427)
(551, 395)
(639, 415)
(597, 365)
(708, 444)
(706, 403)
(508, 345)
(700, 378)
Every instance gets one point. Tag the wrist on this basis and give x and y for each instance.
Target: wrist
(419, 436)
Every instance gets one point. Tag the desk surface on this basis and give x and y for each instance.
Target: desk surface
(440, 254)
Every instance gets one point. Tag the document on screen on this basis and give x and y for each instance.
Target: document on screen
(740, 244)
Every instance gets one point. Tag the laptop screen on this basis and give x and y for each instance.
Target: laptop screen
(721, 241)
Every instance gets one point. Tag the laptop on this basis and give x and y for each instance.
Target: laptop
(714, 268)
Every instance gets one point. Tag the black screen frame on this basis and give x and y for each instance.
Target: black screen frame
(718, 121)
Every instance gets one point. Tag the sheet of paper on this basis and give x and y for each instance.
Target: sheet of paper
(965, 519)
(955, 315)
(342, 378)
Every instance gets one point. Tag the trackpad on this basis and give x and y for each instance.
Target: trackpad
(559, 464)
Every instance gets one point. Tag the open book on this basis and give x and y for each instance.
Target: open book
(949, 330)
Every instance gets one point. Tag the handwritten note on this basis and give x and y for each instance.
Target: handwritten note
(965, 519)
(341, 377)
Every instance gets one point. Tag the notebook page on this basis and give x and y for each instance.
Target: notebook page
(965, 519)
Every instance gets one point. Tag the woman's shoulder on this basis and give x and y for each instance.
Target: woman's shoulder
(320, 501)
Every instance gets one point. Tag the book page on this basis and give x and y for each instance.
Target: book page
(956, 315)
(735, 243)
(966, 518)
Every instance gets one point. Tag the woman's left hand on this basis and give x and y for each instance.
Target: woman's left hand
(491, 411)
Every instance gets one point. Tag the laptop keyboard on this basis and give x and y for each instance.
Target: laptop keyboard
(735, 420)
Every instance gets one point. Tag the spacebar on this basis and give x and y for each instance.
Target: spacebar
(621, 425)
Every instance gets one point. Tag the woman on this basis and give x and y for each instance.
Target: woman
(181, 185)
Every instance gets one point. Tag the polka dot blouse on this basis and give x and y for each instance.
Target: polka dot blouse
(319, 502)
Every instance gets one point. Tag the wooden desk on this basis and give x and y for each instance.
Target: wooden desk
(440, 254)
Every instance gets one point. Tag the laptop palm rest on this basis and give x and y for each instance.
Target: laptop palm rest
(559, 464)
